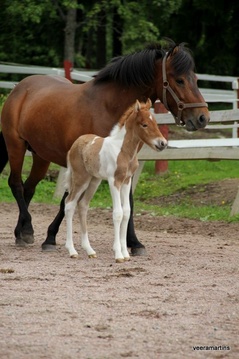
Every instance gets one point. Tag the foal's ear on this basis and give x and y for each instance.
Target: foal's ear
(148, 103)
(137, 106)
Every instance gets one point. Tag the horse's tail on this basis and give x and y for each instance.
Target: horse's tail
(3, 153)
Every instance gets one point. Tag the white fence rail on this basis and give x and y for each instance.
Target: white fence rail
(210, 94)
(82, 76)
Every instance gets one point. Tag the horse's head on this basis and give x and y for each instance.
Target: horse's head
(180, 93)
(146, 126)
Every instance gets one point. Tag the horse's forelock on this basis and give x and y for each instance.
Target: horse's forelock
(181, 60)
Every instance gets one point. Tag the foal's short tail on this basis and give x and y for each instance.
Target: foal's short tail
(3, 153)
(67, 179)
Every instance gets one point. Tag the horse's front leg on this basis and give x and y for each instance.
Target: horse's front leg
(50, 242)
(137, 248)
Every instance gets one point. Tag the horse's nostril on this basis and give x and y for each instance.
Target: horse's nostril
(202, 119)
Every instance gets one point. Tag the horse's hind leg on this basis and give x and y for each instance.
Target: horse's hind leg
(23, 194)
(38, 172)
(49, 244)
(4, 154)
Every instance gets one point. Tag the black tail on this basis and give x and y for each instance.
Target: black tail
(3, 153)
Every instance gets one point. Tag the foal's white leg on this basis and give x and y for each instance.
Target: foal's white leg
(69, 213)
(83, 206)
(117, 218)
(125, 189)
(70, 205)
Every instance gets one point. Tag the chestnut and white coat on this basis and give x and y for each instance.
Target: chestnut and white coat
(114, 158)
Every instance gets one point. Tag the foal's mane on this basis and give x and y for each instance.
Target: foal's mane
(138, 69)
(128, 113)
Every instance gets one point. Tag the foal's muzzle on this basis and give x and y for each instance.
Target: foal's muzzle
(161, 144)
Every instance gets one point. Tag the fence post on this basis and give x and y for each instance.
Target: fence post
(161, 167)
(68, 67)
(59, 190)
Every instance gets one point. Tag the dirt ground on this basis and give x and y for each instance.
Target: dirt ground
(181, 300)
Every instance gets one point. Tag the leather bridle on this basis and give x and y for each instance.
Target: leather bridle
(180, 104)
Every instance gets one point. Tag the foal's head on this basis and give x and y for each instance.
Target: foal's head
(144, 125)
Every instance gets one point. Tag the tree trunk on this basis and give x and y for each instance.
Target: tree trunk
(101, 40)
(117, 33)
(70, 29)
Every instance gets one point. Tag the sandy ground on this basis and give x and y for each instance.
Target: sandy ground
(181, 300)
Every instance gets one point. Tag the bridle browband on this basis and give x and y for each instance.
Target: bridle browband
(180, 104)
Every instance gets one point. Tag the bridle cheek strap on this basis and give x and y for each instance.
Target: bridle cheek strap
(181, 105)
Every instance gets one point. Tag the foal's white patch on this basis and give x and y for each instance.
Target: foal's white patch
(94, 139)
(151, 117)
(110, 151)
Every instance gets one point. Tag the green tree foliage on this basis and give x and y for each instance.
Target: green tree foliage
(91, 32)
(211, 28)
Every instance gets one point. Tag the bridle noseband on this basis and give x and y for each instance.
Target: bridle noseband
(180, 104)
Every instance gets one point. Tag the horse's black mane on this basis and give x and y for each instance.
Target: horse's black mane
(138, 69)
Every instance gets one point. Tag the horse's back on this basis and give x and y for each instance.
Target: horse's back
(46, 112)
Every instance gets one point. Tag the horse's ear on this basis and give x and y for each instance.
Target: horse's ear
(174, 51)
(148, 103)
(137, 106)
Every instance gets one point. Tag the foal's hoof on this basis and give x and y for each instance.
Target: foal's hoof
(119, 260)
(74, 256)
(48, 247)
(92, 256)
(141, 251)
(126, 259)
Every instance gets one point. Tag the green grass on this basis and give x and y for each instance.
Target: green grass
(181, 176)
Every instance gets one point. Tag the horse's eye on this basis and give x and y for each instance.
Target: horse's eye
(180, 81)
(144, 125)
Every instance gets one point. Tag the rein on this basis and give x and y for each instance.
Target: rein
(181, 105)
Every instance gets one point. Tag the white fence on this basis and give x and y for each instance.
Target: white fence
(82, 76)
(210, 94)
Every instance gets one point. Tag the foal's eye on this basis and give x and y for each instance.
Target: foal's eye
(180, 81)
(144, 125)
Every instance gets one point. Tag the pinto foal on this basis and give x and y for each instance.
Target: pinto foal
(114, 158)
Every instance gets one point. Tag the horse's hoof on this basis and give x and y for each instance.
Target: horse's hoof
(127, 259)
(48, 247)
(119, 260)
(92, 256)
(141, 251)
(20, 243)
(74, 256)
(28, 238)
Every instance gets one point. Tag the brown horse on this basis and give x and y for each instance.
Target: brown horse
(46, 114)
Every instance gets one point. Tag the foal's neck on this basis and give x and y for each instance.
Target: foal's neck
(129, 141)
